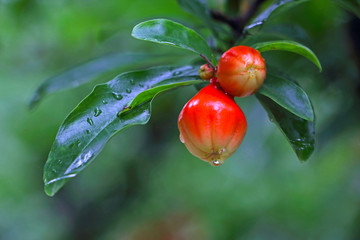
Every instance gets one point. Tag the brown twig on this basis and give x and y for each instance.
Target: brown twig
(208, 61)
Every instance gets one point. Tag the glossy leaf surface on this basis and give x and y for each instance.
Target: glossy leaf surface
(289, 46)
(299, 132)
(96, 119)
(274, 9)
(167, 32)
(288, 95)
(87, 72)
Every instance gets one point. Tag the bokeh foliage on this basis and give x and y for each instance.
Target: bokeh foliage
(145, 182)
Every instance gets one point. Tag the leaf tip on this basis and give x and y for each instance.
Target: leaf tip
(35, 99)
(50, 188)
(133, 33)
(309, 117)
(320, 68)
(49, 192)
(317, 63)
(304, 157)
(54, 185)
(37, 96)
(304, 152)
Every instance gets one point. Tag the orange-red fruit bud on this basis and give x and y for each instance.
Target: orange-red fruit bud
(241, 71)
(212, 125)
(206, 72)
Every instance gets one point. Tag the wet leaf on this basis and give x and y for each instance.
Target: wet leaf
(299, 132)
(167, 32)
(289, 95)
(96, 119)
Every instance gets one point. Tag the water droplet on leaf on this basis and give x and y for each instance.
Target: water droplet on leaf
(90, 121)
(132, 82)
(117, 96)
(87, 131)
(97, 112)
(216, 163)
(181, 138)
(177, 73)
(128, 90)
(141, 85)
(104, 102)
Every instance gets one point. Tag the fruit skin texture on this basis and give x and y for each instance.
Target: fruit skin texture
(212, 125)
(241, 71)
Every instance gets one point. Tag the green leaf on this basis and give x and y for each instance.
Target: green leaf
(273, 10)
(289, 46)
(167, 32)
(350, 5)
(288, 95)
(96, 119)
(87, 72)
(299, 132)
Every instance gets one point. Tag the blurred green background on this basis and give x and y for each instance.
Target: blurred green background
(145, 184)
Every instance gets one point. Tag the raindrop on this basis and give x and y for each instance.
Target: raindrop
(104, 102)
(301, 148)
(141, 85)
(117, 96)
(216, 163)
(128, 90)
(97, 112)
(87, 131)
(182, 138)
(132, 82)
(90, 121)
(177, 73)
